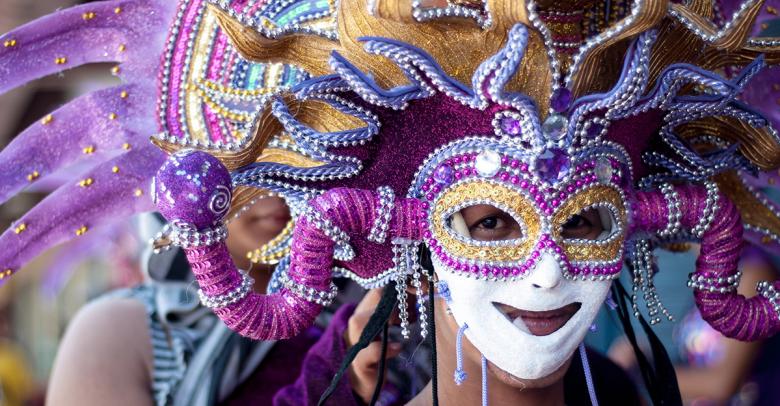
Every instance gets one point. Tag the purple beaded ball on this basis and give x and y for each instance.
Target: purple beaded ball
(193, 188)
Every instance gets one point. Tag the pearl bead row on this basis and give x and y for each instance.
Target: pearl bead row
(259, 25)
(537, 23)
(422, 14)
(767, 290)
(236, 294)
(692, 26)
(336, 235)
(366, 283)
(710, 284)
(591, 43)
(672, 198)
(308, 294)
(710, 207)
(190, 238)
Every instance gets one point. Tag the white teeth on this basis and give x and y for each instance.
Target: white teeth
(518, 322)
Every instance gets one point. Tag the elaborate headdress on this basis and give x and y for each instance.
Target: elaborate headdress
(540, 110)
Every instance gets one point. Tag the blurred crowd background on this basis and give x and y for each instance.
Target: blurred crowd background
(36, 304)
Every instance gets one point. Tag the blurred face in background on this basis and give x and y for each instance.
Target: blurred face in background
(255, 227)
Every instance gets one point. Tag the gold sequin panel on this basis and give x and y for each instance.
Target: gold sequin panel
(583, 250)
(491, 193)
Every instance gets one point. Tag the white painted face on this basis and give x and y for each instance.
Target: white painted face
(505, 336)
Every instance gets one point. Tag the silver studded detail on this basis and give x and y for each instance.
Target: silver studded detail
(384, 211)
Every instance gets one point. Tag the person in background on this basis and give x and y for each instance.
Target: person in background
(17, 384)
(711, 369)
(155, 344)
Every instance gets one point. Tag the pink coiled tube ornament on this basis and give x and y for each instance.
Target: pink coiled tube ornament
(716, 275)
(193, 192)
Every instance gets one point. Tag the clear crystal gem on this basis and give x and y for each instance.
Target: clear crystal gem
(554, 127)
(603, 170)
(487, 163)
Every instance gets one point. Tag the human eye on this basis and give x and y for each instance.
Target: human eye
(488, 223)
(587, 225)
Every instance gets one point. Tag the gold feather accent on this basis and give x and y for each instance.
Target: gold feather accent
(752, 211)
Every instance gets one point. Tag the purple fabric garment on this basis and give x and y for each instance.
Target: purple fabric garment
(279, 368)
(319, 366)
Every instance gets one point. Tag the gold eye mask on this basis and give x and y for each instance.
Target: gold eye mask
(606, 250)
(457, 243)
(488, 193)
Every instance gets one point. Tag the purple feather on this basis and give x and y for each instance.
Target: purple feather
(96, 123)
(75, 208)
(131, 32)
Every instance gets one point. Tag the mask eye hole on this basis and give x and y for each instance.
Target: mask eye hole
(483, 222)
(592, 224)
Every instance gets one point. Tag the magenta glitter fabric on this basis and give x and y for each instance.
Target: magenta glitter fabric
(721, 245)
(417, 130)
(194, 187)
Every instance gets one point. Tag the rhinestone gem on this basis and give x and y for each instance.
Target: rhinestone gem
(487, 163)
(560, 100)
(511, 125)
(594, 130)
(553, 165)
(443, 174)
(554, 127)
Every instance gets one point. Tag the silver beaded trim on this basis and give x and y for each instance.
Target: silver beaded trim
(711, 206)
(312, 295)
(187, 237)
(549, 45)
(710, 284)
(238, 293)
(378, 281)
(716, 32)
(422, 14)
(344, 251)
(763, 42)
(260, 25)
(593, 42)
(673, 204)
(384, 211)
(767, 290)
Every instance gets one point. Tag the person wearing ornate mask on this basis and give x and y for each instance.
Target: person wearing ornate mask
(529, 147)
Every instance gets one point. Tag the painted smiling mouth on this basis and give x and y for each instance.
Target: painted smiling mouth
(539, 323)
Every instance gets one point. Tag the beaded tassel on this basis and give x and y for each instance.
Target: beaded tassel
(401, 268)
(460, 375)
(588, 377)
(484, 382)
(411, 251)
(643, 268)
